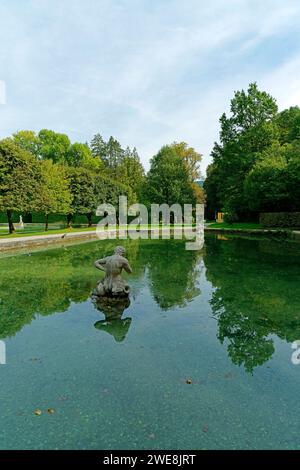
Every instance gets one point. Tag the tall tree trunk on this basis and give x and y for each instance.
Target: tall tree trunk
(47, 222)
(10, 221)
(69, 220)
(89, 217)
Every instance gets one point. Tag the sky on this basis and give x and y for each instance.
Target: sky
(148, 72)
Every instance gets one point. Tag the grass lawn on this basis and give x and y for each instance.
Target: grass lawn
(25, 233)
(31, 231)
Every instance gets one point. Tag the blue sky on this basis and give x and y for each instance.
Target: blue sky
(147, 72)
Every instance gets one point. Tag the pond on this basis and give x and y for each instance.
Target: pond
(200, 359)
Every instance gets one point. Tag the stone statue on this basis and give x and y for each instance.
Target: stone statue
(21, 223)
(113, 285)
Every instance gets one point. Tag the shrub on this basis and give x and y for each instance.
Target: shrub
(230, 217)
(280, 219)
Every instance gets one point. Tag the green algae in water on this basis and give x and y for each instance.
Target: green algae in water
(224, 318)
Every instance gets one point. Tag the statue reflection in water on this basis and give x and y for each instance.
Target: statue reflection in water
(111, 296)
(113, 309)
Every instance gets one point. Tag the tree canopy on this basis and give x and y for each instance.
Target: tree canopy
(255, 165)
(54, 193)
(168, 180)
(53, 145)
(20, 177)
(191, 159)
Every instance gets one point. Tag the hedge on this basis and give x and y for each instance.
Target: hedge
(37, 218)
(280, 219)
(58, 219)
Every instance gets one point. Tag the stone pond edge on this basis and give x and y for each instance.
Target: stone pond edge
(44, 240)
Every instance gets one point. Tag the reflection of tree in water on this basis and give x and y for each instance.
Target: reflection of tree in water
(113, 309)
(47, 282)
(173, 272)
(257, 294)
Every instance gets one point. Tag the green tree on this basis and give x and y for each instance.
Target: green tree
(249, 110)
(293, 179)
(28, 140)
(244, 135)
(108, 190)
(77, 154)
(20, 178)
(211, 187)
(168, 180)
(84, 196)
(131, 172)
(273, 184)
(54, 145)
(191, 158)
(98, 146)
(80, 155)
(114, 155)
(55, 195)
(110, 153)
(288, 122)
(199, 193)
(266, 186)
(89, 190)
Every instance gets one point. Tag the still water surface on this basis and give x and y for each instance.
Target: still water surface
(223, 318)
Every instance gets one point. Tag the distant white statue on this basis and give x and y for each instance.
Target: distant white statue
(2, 353)
(21, 223)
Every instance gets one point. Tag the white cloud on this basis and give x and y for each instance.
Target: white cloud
(284, 83)
(146, 72)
